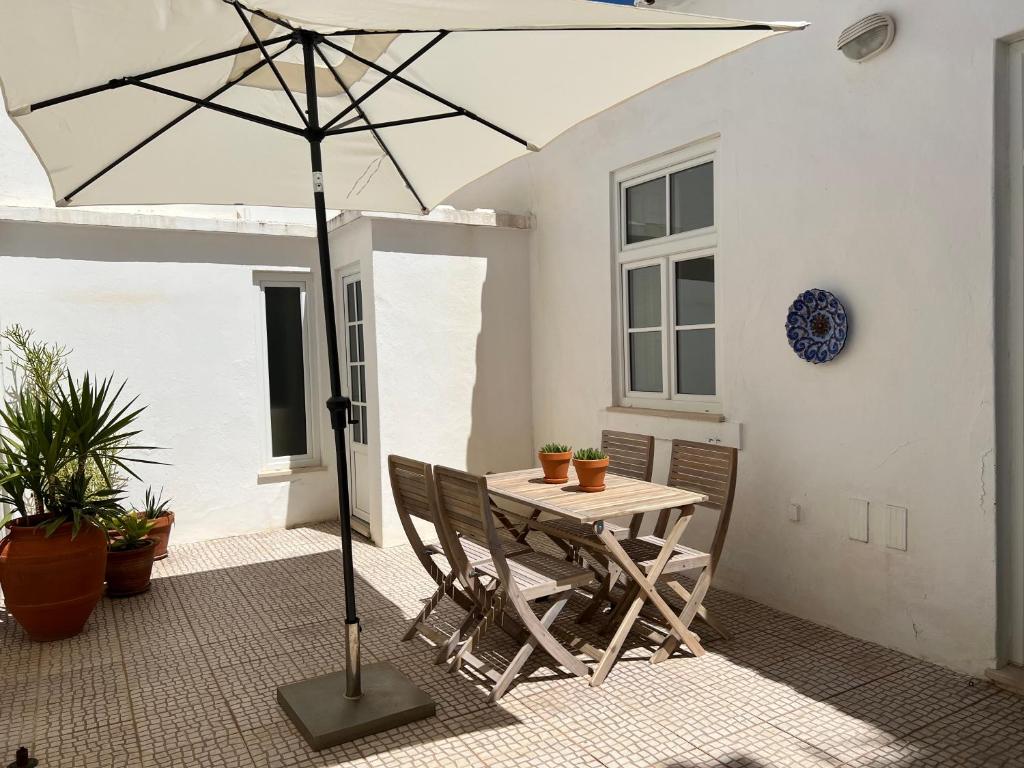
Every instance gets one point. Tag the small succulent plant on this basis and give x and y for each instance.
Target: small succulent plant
(130, 530)
(589, 454)
(555, 448)
(155, 506)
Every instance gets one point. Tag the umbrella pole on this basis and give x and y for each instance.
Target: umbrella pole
(378, 697)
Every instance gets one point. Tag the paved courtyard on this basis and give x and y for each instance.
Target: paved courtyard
(185, 676)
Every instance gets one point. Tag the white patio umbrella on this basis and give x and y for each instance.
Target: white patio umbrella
(384, 105)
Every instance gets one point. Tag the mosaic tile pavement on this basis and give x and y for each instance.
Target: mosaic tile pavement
(185, 675)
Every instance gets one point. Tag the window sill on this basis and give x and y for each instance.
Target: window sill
(286, 475)
(667, 413)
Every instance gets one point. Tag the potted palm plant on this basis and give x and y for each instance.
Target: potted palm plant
(156, 509)
(59, 440)
(554, 458)
(591, 465)
(129, 554)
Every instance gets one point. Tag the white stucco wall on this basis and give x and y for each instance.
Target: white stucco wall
(875, 181)
(174, 313)
(451, 344)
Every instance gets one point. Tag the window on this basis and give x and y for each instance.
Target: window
(283, 308)
(665, 254)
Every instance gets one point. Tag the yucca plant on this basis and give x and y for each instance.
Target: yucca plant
(154, 506)
(56, 443)
(555, 448)
(589, 454)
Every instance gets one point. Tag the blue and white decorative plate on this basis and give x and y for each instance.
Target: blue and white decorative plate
(816, 326)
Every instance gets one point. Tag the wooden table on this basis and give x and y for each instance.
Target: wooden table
(622, 496)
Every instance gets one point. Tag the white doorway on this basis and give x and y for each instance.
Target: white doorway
(354, 382)
(1010, 382)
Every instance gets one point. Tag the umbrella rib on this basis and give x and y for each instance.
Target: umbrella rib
(372, 128)
(390, 75)
(119, 82)
(753, 27)
(393, 75)
(273, 66)
(219, 108)
(161, 131)
(393, 123)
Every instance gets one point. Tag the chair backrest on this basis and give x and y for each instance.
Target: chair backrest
(711, 470)
(464, 511)
(412, 485)
(629, 454)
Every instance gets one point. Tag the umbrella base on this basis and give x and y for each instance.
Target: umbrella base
(325, 718)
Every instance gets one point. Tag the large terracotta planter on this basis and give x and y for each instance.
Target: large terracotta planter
(51, 584)
(160, 533)
(556, 466)
(129, 570)
(590, 473)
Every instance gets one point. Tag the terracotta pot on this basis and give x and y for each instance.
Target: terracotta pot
(556, 466)
(51, 584)
(160, 533)
(129, 570)
(591, 473)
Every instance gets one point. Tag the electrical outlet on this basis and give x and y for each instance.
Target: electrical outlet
(857, 520)
(794, 513)
(896, 535)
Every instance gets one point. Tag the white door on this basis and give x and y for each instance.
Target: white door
(1010, 385)
(354, 378)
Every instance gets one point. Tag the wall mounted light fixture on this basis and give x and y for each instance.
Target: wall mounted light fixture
(868, 37)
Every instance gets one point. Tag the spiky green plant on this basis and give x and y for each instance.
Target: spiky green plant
(590, 454)
(555, 448)
(130, 531)
(154, 506)
(51, 444)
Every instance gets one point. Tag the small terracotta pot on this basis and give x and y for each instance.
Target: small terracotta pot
(556, 466)
(129, 570)
(51, 584)
(591, 473)
(160, 533)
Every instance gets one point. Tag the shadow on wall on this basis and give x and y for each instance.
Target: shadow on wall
(501, 436)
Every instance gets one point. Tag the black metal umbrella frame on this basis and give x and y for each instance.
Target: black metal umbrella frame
(320, 710)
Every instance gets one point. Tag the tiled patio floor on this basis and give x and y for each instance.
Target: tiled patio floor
(185, 676)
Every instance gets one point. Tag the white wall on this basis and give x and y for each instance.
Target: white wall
(174, 313)
(451, 349)
(875, 181)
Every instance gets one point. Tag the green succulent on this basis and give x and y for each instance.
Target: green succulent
(129, 530)
(555, 448)
(590, 454)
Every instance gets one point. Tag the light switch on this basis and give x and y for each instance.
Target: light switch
(794, 513)
(896, 536)
(857, 520)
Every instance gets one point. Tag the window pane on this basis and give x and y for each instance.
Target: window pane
(286, 371)
(365, 431)
(693, 198)
(644, 297)
(645, 211)
(358, 285)
(695, 362)
(645, 361)
(354, 391)
(695, 291)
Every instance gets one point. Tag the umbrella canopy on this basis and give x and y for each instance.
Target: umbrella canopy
(418, 98)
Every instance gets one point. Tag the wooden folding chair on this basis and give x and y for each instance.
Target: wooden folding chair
(711, 470)
(412, 485)
(629, 455)
(464, 516)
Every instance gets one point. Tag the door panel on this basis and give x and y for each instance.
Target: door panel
(354, 381)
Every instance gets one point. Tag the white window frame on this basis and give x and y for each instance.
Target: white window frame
(302, 281)
(665, 251)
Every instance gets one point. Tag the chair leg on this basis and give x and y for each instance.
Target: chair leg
(615, 617)
(524, 652)
(442, 589)
(633, 602)
(693, 604)
(493, 610)
(702, 612)
(601, 596)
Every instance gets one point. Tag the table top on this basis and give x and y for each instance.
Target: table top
(622, 495)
